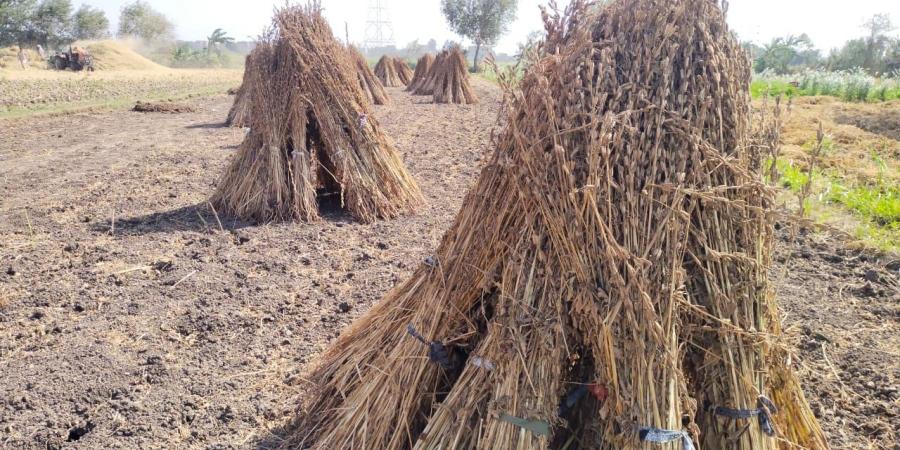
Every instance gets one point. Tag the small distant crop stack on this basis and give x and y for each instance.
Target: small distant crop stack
(423, 67)
(386, 71)
(605, 283)
(312, 133)
(239, 114)
(451, 80)
(369, 83)
(403, 71)
(426, 85)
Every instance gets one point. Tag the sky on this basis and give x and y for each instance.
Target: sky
(828, 22)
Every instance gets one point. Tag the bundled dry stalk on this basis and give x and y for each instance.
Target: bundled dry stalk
(403, 71)
(311, 133)
(238, 115)
(604, 285)
(423, 66)
(426, 86)
(451, 79)
(386, 71)
(369, 83)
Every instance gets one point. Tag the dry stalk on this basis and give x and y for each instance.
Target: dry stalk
(311, 133)
(369, 83)
(619, 237)
(814, 155)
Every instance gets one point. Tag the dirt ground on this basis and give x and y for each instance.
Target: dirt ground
(131, 316)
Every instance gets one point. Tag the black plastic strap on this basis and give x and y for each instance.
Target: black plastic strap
(437, 351)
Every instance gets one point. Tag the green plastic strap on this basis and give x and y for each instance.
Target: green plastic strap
(538, 427)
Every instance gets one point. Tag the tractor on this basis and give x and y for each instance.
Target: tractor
(76, 58)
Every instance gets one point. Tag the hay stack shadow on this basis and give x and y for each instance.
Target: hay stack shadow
(199, 217)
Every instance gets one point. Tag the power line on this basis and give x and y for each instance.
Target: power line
(379, 28)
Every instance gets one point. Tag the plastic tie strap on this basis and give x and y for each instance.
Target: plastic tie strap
(437, 351)
(660, 436)
(538, 427)
(763, 412)
(575, 395)
(572, 399)
(483, 363)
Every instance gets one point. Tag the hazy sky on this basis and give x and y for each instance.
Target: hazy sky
(828, 22)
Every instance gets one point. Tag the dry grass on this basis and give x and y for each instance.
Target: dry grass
(311, 133)
(853, 148)
(619, 237)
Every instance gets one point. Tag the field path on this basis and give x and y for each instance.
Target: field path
(130, 318)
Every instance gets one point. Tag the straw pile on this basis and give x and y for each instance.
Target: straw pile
(312, 133)
(426, 86)
(369, 83)
(238, 115)
(423, 66)
(451, 79)
(386, 71)
(165, 107)
(604, 285)
(403, 71)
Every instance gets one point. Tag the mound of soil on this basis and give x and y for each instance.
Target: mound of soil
(115, 55)
(885, 122)
(171, 108)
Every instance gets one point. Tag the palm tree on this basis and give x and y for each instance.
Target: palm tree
(217, 37)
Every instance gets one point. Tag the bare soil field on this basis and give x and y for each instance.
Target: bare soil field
(133, 316)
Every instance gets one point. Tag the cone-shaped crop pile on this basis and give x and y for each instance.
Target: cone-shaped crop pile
(403, 71)
(239, 114)
(312, 133)
(604, 285)
(369, 83)
(386, 71)
(423, 66)
(426, 86)
(451, 79)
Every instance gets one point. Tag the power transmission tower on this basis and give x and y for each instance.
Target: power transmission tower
(379, 29)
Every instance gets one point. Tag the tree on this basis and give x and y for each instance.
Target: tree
(877, 41)
(52, 24)
(783, 53)
(15, 20)
(877, 52)
(850, 56)
(482, 21)
(217, 37)
(91, 23)
(138, 19)
(414, 48)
